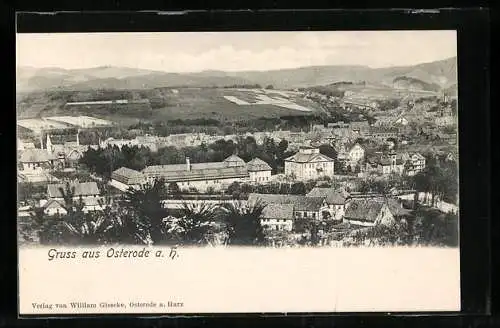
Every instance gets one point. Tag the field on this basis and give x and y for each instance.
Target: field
(180, 103)
(40, 124)
(80, 121)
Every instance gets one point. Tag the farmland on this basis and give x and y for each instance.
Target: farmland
(170, 104)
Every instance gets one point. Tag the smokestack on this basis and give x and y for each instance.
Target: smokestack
(188, 164)
(78, 137)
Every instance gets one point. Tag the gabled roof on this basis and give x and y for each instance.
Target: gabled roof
(52, 203)
(364, 210)
(396, 208)
(257, 164)
(81, 189)
(277, 211)
(127, 176)
(306, 158)
(331, 196)
(234, 160)
(35, 156)
(300, 203)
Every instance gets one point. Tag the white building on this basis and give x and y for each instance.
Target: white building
(309, 164)
(414, 163)
(259, 171)
(213, 175)
(125, 178)
(277, 217)
(336, 200)
(386, 164)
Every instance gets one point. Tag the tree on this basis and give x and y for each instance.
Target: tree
(146, 209)
(243, 224)
(270, 87)
(298, 188)
(328, 150)
(173, 188)
(195, 222)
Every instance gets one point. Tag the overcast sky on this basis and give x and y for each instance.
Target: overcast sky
(234, 51)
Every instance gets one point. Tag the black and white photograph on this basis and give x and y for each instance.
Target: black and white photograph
(263, 140)
(268, 139)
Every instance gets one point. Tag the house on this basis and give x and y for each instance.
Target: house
(125, 178)
(111, 142)
(259, 171)
(360, 127)
(67, 153)
(401, 120)
(36, 161)
(414, 163)
(385, 164)
(383, 133)
(398, 211)
(304, 207)
(54, 207)
(87, 192)
(368, 213)
(277, 217)
(352, 155)
(308, 163)
(23, 145)
(205, 176)
(81, 189)
(335, 199)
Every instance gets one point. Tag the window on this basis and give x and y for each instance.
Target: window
(305, 214)
(314, 215)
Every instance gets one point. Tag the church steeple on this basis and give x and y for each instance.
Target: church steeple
(49, 144)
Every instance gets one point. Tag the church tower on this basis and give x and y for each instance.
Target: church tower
(49, 144)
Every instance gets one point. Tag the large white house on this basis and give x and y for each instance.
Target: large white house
(309, 164)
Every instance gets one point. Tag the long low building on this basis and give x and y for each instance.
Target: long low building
(201, 177)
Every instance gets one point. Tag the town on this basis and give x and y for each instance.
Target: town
(363, 169)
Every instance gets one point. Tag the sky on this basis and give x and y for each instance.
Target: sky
(234, 51)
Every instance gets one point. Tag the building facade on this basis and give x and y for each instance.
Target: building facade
(309, 164)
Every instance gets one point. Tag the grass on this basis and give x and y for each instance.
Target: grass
(188, 103)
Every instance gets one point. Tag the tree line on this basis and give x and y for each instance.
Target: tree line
(103, 161)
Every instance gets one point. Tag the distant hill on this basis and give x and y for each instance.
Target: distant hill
(405, 82)
(440, 73)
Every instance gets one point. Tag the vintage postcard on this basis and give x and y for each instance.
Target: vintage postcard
(237, 172)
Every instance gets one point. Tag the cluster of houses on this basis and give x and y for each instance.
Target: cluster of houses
(35, 164)
(86, 192)
(305, 165)
(281, 212)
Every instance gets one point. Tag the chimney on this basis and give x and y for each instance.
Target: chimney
(188, 164)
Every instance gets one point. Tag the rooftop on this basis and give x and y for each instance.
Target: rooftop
(80, 189)
(127, 176)
(364, 210)
(257, 164)
(300, 203)
(331, 195)
(277, 211)
(35, 156)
